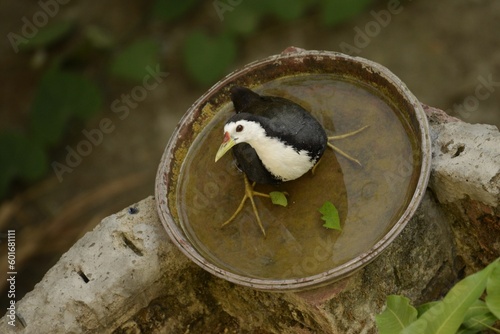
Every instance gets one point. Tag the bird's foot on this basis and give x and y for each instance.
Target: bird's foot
(249, 194)
(346, 135)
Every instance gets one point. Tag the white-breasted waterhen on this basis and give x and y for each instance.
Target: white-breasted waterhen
(274, 140)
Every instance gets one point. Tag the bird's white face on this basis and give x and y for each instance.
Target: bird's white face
(244, 131)
(241, 131)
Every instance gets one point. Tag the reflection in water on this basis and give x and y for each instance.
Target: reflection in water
(369, 198)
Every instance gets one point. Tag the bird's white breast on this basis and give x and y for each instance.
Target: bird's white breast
(281, 160)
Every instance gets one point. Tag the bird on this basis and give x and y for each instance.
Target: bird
(273, 140)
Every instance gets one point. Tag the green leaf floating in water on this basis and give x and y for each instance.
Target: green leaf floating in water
(278, 198)
(330, 216)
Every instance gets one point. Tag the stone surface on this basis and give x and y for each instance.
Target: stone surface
(466, 163)
(127, 277)
(106, 277)
(466, 180)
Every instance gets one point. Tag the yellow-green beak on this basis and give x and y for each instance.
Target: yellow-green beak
(226, 145)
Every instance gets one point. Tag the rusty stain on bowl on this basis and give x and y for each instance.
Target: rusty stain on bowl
(298, 252)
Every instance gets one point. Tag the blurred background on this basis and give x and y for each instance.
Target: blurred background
(91, 91)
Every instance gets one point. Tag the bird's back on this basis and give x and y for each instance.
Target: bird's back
(294, 125)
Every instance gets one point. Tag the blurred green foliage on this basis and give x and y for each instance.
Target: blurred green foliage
(130, 63)
(61, 96)
(169, 10)
(208, 56)
(48, 35)
(20, 158)
(65, 93)
(336, 11)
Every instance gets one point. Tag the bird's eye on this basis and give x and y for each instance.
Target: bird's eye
(239, 128)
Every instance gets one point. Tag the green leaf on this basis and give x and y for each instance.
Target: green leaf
(425, 307)
(243, 20)
(478, 308)
(132, 63)
(169, 10)
(60, 96)
(447, 315)
(9, 143)
(262, 7)
(98, 38)
(33, 162)
(493, 290)
(207, 58)
(466, 331)
(19, 159)
(397, 315)
(49, 34)
(330, 216)
(288, 10)
(337, 11)
(278, 198)
(478, 317)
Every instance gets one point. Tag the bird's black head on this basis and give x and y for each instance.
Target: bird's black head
(243, 98)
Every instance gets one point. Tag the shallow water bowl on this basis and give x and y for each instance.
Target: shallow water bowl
(375, 200)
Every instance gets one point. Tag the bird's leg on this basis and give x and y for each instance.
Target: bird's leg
(349, 134)
(249, 194)
(336, 149)
(313, 170)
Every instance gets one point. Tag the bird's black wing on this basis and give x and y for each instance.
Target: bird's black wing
(250, 163)
(293, 125)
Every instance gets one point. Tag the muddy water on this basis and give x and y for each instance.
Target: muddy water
(369, 198)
